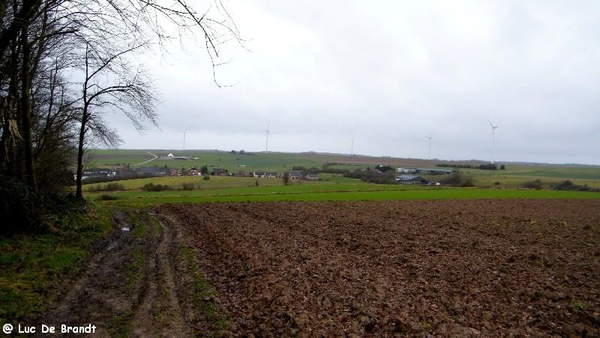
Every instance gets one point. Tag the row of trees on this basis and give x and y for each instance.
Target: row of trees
(486, 166)
(65, 63)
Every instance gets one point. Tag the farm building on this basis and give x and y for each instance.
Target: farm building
(219, 171)
(166, 157)
(424, 171)
(296, 174)
(264, 174)
(152, 171)
(411, 179)
(299, 175)
(311, 177)
(97, 173)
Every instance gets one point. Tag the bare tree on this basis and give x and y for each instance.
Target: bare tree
(64, 64)
(112, 82)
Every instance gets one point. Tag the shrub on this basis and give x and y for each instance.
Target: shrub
(537, 184)
(187, 186)
(20, 208)
(373, 176)
(286, 178)
(458, 179)
(95, 188)
(467, 182)
(155, 187)
(206, 177)
(23, 210)
(488, 166)
(114, 187)
(107, 197)
(570, 186)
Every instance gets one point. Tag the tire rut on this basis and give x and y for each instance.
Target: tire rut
(161, 295)
(129, 286)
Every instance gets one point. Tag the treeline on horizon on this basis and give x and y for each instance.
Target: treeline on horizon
(485, 166)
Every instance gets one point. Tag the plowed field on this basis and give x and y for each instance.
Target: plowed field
(401, 268)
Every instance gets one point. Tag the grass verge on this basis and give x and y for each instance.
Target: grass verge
(205, 297)
(33, 266)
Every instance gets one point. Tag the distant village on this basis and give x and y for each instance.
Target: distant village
(127, 172)
(122, 172)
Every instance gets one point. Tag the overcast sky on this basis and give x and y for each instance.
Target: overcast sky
(378, 77)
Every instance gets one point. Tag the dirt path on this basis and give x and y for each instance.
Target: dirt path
(148, 161)
(129, 289)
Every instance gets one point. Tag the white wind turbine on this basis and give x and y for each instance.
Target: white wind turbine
(267, 134)
(429, 146)
(494, 127)
(352, 144)
(183, 131)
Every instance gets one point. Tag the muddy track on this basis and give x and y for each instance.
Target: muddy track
(129, 288)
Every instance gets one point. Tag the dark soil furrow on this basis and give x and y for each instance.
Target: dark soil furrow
(401, 268)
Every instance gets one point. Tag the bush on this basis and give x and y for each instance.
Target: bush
(25, 211)
(488, 166)
(373, 176)
(537, 184)
(155, 187)
(107, 187)
(107, 197)
(94, 188)
(20, 209)
(206, 177)
(286, 178)
(114, 187)
(467, 182)
(570, 186)
(458, 179)
(187, 186)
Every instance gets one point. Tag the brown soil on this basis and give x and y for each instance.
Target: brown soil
(357, 269)
(403, 268)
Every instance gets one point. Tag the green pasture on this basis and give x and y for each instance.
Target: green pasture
(233, 162)
(224, 182)
(512, 177)
(324, 191)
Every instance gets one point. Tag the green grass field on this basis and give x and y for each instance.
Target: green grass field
(489, 184)
(224, 189)
(149, 199)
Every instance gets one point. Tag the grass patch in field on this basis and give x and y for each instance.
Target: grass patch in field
(204, 294)
(134, 271)
(120, 325)
(33, 267)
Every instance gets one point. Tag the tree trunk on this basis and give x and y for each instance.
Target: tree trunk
(80, 151)
(26, 112)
